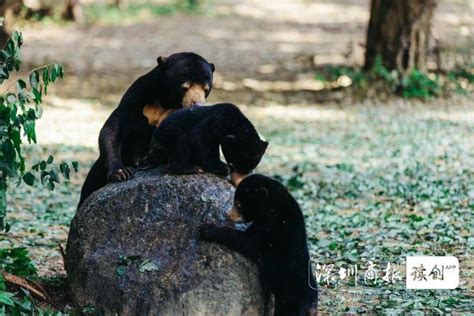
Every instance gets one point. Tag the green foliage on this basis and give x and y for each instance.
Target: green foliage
(419, 85)
(190, 6)
(381, 81)
(17, 262)
(19, 110)
(124, 262)
(460, 79)
(11, 305)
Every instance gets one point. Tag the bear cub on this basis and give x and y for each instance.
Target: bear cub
(191, 137)
(275, 240)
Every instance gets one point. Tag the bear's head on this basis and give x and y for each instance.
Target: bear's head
(243, 155)
(251, 199)
(183, 80)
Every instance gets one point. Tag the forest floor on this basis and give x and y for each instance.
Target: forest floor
(377, 180)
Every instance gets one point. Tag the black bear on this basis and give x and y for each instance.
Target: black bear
(191, 137)
(275, 241)
(180, 80)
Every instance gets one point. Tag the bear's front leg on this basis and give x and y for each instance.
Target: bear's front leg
(117, 172)
(208, 151)
(213, 163)
(110, 146)
(240, 241)
(179, 156)
(219, 168)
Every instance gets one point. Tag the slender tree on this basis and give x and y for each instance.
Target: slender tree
(399, 32)
(121, 4)
(73, 11)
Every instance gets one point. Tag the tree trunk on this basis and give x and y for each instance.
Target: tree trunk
(8, 10)
(121, 4)
(399, 32)
(73, 11)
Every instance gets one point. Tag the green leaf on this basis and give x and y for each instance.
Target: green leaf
(20, 85)
(29, 178)
(16, 140)
(27, 305)
(121, 270)
(4, 73)
(50, 184)
(5, 298)
(31, 115)
(8, 151)
(147, 266)
(75, 165)
(6, 170)
(18, 38)
(50, 159)
(11, 98)
(65, 171)
(39, 111)
(54, 75)
(37, 95)
(34, 79)
(3, 202)
(45, 76)
(29, 128)
(54, 176)
(333, 246)
(23, 97)
(59, 70)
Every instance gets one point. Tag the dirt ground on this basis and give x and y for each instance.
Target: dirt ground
(248, 41)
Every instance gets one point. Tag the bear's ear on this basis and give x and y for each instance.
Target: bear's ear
(212, 67)
(257, 196)
(261, 193)
(161, 60)
(264, 145)
(229, 139)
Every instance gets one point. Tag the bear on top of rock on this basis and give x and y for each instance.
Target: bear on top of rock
(275, 241)
(191, 137)
(180, 80)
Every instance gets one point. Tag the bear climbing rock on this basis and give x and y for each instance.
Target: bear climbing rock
(275, 240)
(180, 80)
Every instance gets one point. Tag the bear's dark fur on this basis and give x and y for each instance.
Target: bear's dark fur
(275, 240)
(191, 137)
(180, 80)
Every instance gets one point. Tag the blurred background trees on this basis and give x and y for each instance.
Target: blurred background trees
(69, 10)
(400, 50)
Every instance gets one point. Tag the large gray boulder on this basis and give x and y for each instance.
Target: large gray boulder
(156, 217)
